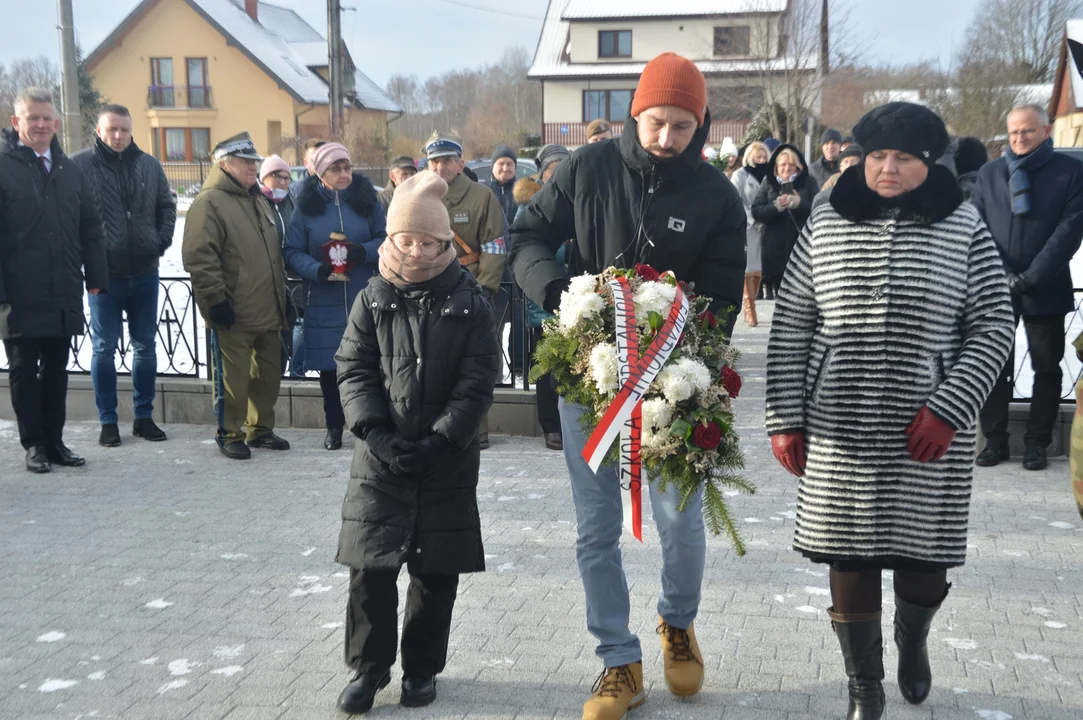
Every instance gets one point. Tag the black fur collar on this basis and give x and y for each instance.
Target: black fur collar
(927, 204)
(360, 196)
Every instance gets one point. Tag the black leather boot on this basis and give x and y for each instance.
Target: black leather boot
(333, 439)
(357, 697)
(912, 623)
(862, 643)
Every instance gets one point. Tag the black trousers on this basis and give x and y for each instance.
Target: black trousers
(332, 401)
(545, 393)
(372, 622)
(38, 375)
(1045, 335)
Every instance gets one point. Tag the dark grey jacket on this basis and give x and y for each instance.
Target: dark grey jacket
(133, 199)
(50, 233)
(417, 361)
(505, 193)
(1040, 245)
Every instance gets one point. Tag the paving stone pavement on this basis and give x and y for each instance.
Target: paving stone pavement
(163, 581)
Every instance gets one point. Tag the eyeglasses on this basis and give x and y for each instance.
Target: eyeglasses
(281, 176)
(1022, 133)
(428, 247)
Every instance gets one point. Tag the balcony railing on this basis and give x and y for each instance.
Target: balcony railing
(575, 133)
(179, 96)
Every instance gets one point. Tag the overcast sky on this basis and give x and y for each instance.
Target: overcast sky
(429, 37)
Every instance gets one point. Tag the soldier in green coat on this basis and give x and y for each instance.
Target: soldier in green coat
(232, 252)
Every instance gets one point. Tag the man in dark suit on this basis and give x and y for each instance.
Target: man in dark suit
(50, 234)
(1032, 201)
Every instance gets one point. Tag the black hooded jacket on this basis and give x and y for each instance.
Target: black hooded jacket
(132, 196)
(624, 206)
(781, 227)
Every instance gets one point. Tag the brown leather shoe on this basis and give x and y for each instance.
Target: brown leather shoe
(554, 441)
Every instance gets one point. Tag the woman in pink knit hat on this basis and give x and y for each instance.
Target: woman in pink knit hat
(337, 201)
(416, 370)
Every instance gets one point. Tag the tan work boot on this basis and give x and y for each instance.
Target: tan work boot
(681, 658)
(616, 691)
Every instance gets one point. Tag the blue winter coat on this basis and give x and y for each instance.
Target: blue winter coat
(327, 304)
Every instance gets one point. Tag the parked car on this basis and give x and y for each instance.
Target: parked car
(484, 169)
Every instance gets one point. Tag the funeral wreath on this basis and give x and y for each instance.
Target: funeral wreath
(656, 372)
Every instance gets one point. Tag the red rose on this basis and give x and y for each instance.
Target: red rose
(646, 272)
(731, 381)
(707, 436)
(712, 321)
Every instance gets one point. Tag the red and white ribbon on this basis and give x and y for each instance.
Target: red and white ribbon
(623, 416)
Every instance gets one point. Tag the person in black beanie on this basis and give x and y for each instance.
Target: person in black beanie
(828, 164)
(1032, 200)
(894, 311)
(502, 182)
(970, 156)
(848, 158)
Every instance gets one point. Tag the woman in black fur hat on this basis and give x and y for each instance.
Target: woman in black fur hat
(892, 324)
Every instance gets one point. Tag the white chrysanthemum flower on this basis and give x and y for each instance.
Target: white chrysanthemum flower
(653, 297)
(657, 413)
(604, 368)
(583, 285)
(682, 379)
(574, 308)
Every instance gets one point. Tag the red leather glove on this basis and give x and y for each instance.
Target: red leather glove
(930, 436)
(789, 449)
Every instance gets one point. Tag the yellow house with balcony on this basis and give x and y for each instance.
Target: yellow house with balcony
(193, 72)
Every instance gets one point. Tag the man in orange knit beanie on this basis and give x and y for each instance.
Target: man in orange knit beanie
(647, 197)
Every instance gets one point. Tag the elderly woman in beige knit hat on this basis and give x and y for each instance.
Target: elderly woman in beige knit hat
(416, 370)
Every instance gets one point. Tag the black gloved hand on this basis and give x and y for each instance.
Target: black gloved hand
(357, 254)
(552, 294)
(222, 314)
(388, 447)
(1017, 284)
(324, 272)
(428, 453)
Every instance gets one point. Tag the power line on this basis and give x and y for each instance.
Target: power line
(490, 10)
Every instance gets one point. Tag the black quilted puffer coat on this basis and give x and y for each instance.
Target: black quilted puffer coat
(50, 235)
(417, 360)
(136, 207)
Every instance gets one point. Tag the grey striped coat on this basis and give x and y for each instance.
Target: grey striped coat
(881, 312)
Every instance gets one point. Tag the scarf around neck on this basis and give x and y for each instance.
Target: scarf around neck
(757, 170)
(403, 270)
(1019, 169)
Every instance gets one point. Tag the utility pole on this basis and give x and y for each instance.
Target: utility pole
(334, 67)
(69, 79)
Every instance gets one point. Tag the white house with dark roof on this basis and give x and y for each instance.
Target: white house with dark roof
(193, 72)
(591, 53)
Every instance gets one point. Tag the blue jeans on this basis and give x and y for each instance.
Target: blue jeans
(138, 297)
(599, 515)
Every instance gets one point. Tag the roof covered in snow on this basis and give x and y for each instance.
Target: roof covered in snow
(282, 44)
(552, 56)
(607, 9)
